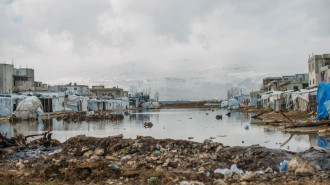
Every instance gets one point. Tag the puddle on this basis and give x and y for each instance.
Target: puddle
(198, 124)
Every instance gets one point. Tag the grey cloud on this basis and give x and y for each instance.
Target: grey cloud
(184, 49)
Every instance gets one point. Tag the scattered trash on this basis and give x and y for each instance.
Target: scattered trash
(113, 166)
(260, 172)
(246, 127)
(233, 169)
(242, 141)
(299, 121)
(212, 137)
(283, 166)
(190, 137)
(218, 117)
(207, 174)
(184, 183)
(322, 142)
(148, 124)
(154, 181)
(207, 113)
(228, 114)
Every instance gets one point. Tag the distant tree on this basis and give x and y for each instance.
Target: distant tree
(156, 96)
(234, 91)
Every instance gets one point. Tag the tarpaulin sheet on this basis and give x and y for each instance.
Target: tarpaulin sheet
(323, 95)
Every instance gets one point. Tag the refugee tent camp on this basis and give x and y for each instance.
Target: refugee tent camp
(303, 100)
(224, 104)
(233, 104)
(29, 108)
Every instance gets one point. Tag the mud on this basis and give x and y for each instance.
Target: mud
(114, 160)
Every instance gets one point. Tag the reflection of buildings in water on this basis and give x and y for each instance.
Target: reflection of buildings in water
(156, 116)
(140, 118)
(313, 139)
(270, 130)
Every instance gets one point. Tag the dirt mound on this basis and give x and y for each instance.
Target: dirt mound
(116, 160)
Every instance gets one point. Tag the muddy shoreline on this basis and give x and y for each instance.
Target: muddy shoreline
(115, 160)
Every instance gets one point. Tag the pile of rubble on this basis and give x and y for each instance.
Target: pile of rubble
(146, 160)
(70, 116)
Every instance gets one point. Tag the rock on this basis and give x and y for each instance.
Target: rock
(154, 158)
(293, 164)
(184, 183)
(84, 149)
(131, 163)
(213, 157)
(269, 170)
(201, 169)
(159, 169)
(301, 167)
(236, 160)
(95, 157)
(306, 169)
(88, 153)
(165, 164)
(99, 151)
(219, 182)
(248, 177)
(26, 161)
(111, 158)
(154, 181)
(219, 148)
(20, 165)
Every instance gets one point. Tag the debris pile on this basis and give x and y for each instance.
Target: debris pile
(165, 161)
(83, 116)
(148, 124)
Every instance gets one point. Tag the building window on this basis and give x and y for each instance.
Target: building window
(313, 82)
(310, 82)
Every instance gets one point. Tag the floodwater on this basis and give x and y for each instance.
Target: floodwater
(200, 124)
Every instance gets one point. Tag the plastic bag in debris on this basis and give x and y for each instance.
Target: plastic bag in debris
(322, 142)
(322, 98)
(233, 169)
(39, 112)
(283, 166)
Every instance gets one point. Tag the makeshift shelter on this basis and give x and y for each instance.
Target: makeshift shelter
(224, 104)
(233, 104)
(5, 106)
(8, 103)
(323, 100)
(77, 103)
(154, 105)
(52, 102)
(29, 108)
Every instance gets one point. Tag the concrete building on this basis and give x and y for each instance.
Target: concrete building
(14, 80)
(80, 90)
(107, 93)
(6, 78)
(267, 81)
(285, 83)
(316, 64)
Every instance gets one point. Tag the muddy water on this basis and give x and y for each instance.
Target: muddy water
(200, 124)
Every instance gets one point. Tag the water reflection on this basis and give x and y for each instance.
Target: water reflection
(177, 124)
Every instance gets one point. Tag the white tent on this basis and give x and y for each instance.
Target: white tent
(224, 104)
(233, 104)
(29, 108)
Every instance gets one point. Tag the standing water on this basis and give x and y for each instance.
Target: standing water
(195, 124)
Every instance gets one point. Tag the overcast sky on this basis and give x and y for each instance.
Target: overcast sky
(185, 49)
